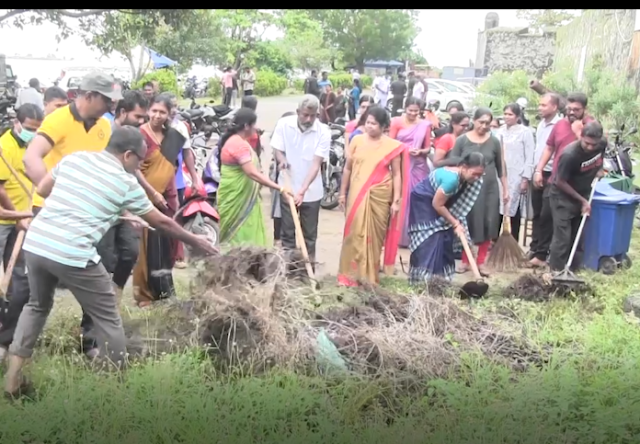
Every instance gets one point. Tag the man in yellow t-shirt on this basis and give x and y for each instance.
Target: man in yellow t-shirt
(14, 198)
(79, 126)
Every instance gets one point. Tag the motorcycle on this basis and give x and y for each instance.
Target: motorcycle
(331, 170)
(198, 216)
(617, 158)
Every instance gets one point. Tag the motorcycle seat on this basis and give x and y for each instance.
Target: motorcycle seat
(336, 133)
(221, 110)
(195, 113)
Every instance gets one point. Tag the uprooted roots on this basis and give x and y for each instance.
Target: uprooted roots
(246, 310)
(540, 288)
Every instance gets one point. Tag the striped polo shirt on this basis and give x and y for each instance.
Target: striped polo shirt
(90, 192)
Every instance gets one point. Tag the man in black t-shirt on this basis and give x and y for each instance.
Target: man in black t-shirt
(398, 90)
(579, 165)
(311, 84)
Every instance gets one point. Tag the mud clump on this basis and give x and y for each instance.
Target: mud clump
(541, 288)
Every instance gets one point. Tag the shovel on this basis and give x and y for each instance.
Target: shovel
(478, 287)
(299, 234)
(566, 277)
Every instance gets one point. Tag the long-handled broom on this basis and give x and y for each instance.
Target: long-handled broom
(506, 254)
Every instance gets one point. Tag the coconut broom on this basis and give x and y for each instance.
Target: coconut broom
(506, 254)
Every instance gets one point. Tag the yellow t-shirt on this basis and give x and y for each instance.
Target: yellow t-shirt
(68, 134)
(13, 151)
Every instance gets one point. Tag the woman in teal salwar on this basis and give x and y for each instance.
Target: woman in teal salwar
(239, 201)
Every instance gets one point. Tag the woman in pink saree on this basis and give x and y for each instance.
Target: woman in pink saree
(375, 195)
(415, 133)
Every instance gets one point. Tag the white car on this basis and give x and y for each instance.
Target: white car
(447, 98)
(453, 86)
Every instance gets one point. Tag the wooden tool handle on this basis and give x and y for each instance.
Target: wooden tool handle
(15, 174)
(6, 279)
(472, 260)
(299, 234)
(506, 224)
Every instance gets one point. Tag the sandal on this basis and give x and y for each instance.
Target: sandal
(462, 269)
(25, 388)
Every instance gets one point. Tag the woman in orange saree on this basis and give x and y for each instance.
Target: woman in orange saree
(376, 203)
(152, 278)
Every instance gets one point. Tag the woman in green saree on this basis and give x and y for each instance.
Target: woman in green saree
(239, 201)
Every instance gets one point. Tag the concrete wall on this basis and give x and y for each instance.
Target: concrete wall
(506, 49)
(607, 33)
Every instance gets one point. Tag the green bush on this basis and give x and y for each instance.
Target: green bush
(612, 100)
(338, 78)
(268, 83)
(214, 88)
(165, 77)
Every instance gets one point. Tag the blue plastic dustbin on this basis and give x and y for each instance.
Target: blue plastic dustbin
(608, 230)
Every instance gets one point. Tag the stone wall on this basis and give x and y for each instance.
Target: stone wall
(607, 33)
(505, 49)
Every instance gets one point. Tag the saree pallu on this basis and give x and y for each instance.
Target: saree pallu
(414, 138)
(368, 227)
(239, 206)
(433, 242)
(152, 278)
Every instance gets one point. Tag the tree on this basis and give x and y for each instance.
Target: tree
(241, 31)
(304, 40)
(123, 31)
(541, 18)
(362, 34)
(270, 55)
(22, 17)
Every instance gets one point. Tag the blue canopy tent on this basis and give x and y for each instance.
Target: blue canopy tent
(160, 61)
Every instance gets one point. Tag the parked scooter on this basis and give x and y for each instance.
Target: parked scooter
(198, 216)
(332, 168)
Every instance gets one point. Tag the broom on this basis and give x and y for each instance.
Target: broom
(506, 254)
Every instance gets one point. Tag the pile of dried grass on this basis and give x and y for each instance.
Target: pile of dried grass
(246, 310)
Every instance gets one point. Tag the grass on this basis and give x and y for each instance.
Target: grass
(588, 392)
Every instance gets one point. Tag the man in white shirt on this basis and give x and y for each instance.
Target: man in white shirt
(300, 144)
(381, 87)
(542, 223)
(31, 95)
(418, 89)
(248, 79)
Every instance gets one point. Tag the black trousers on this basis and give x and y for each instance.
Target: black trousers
(309, 213)
(18, 291)
(248, 92)
(277, 227)
(396, 103)
(566, 213)
(227, 96)
(119, 250)
(542, 223)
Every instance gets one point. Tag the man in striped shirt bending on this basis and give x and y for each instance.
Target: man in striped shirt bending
(86, 193)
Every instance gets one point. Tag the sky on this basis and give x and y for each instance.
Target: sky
(455, 32)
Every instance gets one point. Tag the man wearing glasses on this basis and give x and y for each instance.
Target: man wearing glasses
(79, 126)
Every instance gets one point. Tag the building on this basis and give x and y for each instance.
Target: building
(513, 49)
(458, 73)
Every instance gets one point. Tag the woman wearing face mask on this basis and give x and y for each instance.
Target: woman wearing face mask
(484, 218)
(356, 126)
(152, 278)
(415, 133)
(239, 201)
(458, 125)
(518, 145)
(375, 203)
(438, 216)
